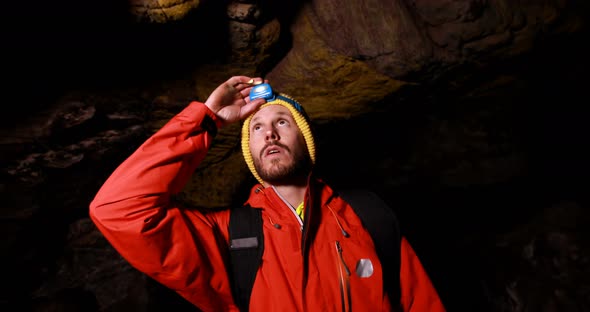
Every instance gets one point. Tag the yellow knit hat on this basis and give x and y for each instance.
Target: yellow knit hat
(301, 119)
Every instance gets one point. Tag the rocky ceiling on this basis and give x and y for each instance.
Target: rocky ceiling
(466, 115)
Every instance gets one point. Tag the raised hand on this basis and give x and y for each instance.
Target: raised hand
(230, 100)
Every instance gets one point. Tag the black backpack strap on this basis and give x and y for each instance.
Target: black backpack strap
(246, 245)
(381, 222)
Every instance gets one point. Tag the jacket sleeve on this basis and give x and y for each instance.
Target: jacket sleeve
(417, 291)
(177, 247)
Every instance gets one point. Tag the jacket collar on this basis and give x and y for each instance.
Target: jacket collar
(318, 194)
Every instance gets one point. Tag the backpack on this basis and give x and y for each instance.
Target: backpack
(247, 243)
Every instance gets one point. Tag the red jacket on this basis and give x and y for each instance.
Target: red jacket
(187, 249)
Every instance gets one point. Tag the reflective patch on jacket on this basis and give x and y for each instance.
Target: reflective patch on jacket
(364, 268)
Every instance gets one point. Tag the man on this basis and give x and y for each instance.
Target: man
(314, 242)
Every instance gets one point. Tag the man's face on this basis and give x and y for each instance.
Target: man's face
(277, 146)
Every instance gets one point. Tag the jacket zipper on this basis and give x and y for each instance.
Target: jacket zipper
(293, 210)
(344, 274)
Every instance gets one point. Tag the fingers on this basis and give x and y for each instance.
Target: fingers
(245, 92)
(242, 82)
(244, 88)
(251, 107)
(255, 81)
(238, 80)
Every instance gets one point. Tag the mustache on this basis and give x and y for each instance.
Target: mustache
(267, 145)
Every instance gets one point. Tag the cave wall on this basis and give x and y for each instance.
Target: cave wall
(467, 116)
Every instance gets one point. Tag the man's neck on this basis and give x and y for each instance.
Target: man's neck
(293, 194)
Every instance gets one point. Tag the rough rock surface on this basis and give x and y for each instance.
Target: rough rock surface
(463, 114)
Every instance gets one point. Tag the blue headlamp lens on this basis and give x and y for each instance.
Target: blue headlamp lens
(262, 90)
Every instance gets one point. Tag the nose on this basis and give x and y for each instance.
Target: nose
(271, 134)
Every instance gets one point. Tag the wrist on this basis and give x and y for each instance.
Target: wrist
(212, 120)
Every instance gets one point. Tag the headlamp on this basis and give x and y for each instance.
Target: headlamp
(262, 90)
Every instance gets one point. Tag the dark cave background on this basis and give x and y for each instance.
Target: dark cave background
(516, 241)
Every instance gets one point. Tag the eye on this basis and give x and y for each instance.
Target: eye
(256, 127)
(282, 122)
